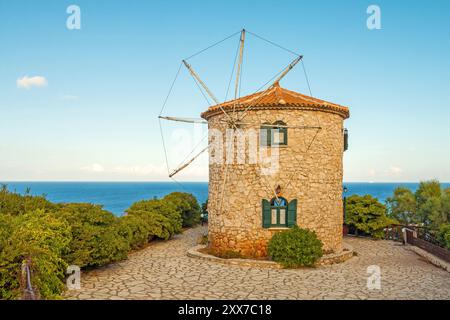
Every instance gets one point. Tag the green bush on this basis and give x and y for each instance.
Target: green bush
(96, 240)
(444, 235)
(40, 238)
(163, 211)
(14, 203)
(368, 215)
(52, 236)
(295, 247)
(139, 227)
(188, 204)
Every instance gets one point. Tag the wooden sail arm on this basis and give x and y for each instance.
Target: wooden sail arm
(188, 120)
(286, 71)
(200, 81)
(183, 166)
(195, 75)
(239, 66)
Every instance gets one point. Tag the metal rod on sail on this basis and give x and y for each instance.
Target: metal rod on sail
(188, 120)
(195, 75)
(181, 167)
(288, 68)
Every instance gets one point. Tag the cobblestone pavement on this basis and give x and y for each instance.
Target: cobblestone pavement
(163, 271)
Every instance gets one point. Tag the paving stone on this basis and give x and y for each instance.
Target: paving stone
(163, 271)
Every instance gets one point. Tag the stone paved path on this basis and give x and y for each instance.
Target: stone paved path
(163, 271)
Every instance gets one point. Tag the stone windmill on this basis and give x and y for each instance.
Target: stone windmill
(275, 160)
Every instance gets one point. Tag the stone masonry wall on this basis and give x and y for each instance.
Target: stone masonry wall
(310, 170)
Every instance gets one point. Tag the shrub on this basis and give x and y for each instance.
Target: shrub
(444, 235)
(162, 211)
(368, 215)
(295, 247)
(96, 240)
(188, 205)
(51, 236)
(15, 204)
(139, 227)
(37, 237)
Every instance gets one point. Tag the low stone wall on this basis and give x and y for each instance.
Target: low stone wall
(329, 259)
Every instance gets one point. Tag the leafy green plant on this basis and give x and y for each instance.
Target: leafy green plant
(50, 236)
(15, 204)
(38, 237)
(95, 235)
(402, 206)
(295, 247)
(368, 215)
(188, 205)
(444, 235)
(163, 211)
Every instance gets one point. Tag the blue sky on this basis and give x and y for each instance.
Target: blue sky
(95, 115)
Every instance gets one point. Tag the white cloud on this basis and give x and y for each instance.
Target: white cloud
(395, 171)
(372, 173)
(95, 167)
(27, 82)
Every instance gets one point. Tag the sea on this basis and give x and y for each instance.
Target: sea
(118, 196)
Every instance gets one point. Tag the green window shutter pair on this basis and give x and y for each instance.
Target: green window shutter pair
(266, 217)
(292, 213)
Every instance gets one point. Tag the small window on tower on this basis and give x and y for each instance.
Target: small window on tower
(279, 134)
(273, 134)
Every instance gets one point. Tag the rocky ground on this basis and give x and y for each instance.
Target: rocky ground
(163, 271)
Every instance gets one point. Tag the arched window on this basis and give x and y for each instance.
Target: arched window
(278, 212)
(273, 134)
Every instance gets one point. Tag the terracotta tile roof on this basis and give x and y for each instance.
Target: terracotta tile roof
(277, 98)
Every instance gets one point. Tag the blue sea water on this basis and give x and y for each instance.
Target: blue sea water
(118, 196)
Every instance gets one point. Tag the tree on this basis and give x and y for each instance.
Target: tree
(427, 189)
(444, 235)
(402, 206)
(367, 214)
(432, 203)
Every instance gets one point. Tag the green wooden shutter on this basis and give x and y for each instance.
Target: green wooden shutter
(345, 139)
(285, 130)
(265, 213)
(292, 213)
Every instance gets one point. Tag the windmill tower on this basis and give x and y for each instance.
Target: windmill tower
(276, 160)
